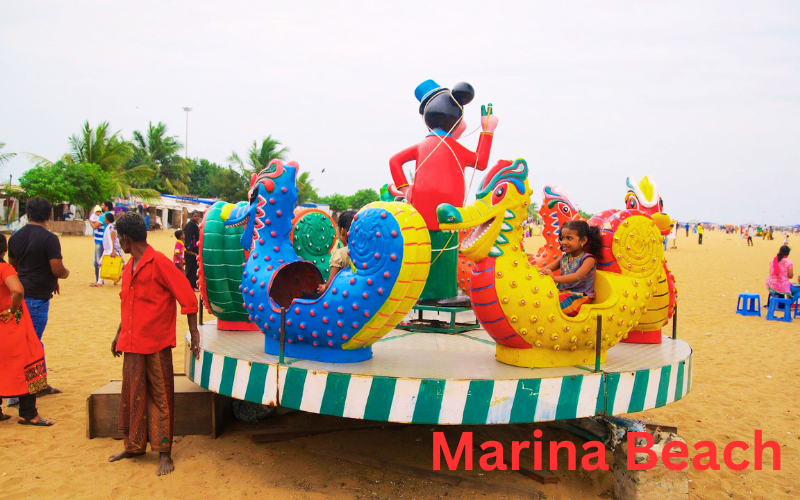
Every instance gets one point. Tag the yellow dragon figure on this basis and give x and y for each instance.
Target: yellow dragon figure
(643, 197)
(518, 306)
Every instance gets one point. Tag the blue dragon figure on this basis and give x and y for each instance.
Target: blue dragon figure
(389, 246)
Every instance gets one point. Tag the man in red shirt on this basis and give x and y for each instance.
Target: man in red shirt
(146, 335)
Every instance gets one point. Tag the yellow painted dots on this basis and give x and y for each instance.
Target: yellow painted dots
(573, 339)
(538, 343)
(513, 319)
(505, 300)
(523, 331)
(557, 347)
(540, 331)
(553, 336)
(534, 319)
(589, 343)
(552, 318)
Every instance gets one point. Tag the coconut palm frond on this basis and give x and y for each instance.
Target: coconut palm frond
(38, 160)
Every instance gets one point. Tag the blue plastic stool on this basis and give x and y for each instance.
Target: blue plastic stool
(776, 304)
(749, 304)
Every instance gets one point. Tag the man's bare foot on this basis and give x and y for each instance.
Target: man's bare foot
(124, 454)
(165, 465)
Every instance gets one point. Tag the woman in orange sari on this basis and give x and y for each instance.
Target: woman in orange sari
(22, 369)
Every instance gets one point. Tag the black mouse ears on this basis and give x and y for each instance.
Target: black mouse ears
(463, 93)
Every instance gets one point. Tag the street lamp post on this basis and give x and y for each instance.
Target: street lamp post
(186, 148)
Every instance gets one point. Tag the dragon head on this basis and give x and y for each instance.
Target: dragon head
(499, 209)
(643, 196)
(558, 208)
(272, 198)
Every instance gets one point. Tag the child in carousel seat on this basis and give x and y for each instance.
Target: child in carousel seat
(340, 259)
(580, 242)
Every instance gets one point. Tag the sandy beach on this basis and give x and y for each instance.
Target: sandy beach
(745, 378)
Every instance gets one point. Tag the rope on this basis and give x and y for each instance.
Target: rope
(442, 250)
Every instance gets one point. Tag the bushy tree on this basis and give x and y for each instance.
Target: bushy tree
(84, 184)
(337, 202)
(362, 197)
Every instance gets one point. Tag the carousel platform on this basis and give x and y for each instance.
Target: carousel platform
(431, 378)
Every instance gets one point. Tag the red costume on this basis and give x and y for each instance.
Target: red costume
(439, 172)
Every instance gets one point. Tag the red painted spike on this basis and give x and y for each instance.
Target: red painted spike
(355, 325)
(255, 269)
(267, 221)
(260, 307)
(266, 258)
(364, 265)
(273, 234)
(272, 201)
(312, 313)
(380, 291)
(344, 337)
(339, 310)
(253, 279)
(366, 314)
(352, 281)
(339, 324)
(365, 295)
(325, 305)
(378, 234)
(297, 310)
(288, 322)
(355, 307)
(345, 294)
(262, 284)
(393, 257)
(383, 215)
(377, 256)
(386, 275)
(369, 281)
(279, 213)
(394, 234)
(330, 343)
(277, 249)
(329, 333)
(325, 320)
(251, 293)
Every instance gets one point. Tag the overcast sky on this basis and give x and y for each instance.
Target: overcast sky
(702, 96)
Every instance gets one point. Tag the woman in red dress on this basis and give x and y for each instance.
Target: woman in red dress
(22, 369)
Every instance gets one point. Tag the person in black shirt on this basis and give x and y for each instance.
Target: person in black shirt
(36, 254)
(191, 235)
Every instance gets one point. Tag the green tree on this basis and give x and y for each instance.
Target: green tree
(84, 184)
(203, 171)
(4, 157)
(230, 185)
(363, 197)
(337, 202)
(305, 191)
(259, 157)
(533, 211)
(159, 153)
(107, 150)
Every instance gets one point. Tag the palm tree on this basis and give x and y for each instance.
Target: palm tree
(533, 211)
(109, 152)
(160, 153)
(4, 157)
(259, 157)
(305, 191)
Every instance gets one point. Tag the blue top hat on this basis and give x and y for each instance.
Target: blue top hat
(425, 91)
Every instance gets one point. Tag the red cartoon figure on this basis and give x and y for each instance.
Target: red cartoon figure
(440, 162)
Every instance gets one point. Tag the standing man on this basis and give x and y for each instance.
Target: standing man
(687, 229)
(699, 230)
(750, 232)
(146, 335)
(36, 254)
(191, 235)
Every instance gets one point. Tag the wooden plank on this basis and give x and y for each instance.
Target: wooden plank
(221, 413)
(193, 410)
(440, 477)
(652, 427)
(526, 467)
(288, 433)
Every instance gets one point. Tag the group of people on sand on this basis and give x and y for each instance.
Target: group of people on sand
(151, 285)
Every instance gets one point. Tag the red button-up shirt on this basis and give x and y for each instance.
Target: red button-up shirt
(148, 303)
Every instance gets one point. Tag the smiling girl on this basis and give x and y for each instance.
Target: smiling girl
(579, 242)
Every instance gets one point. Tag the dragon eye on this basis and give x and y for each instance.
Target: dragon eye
(632, 203)
(498, 194)
(565, 209)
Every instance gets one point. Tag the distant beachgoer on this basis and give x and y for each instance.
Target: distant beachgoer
(178, 255)
(35, 253)
(191, 234)
(781, 271)
(687, 229)
(146, 336)
(110, 241)
(673, 235)
(699, 231)
(97, 232)
(22, 370)
(750, 232)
